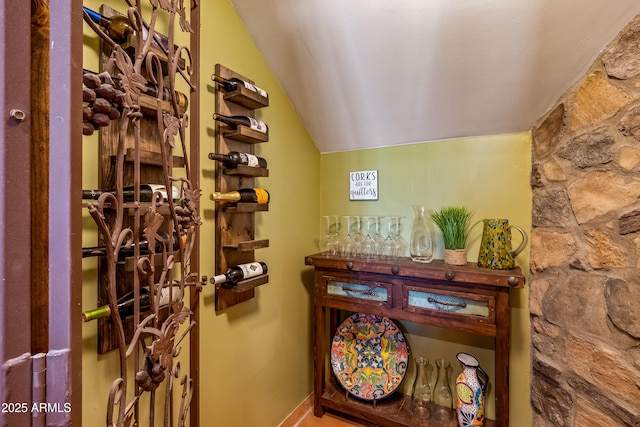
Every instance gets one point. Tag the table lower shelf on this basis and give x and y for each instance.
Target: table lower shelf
(394, 411)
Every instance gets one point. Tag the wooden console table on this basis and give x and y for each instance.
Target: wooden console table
(406, 290)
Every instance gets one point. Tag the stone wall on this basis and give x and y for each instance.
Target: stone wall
(585, 247)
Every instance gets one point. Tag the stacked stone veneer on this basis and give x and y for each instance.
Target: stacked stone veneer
(585, 248)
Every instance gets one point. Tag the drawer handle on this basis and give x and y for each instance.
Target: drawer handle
(369, 292)
(450, 304)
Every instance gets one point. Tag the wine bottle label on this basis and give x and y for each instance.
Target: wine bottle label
(158, 39)
(175, 191)
(256, 89)
(156, 188)
(249, 160)
(262, 196)
(257, 125)
(164, 295)
(251, 269)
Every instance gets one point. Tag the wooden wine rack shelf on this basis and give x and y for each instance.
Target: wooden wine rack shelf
(235, 223)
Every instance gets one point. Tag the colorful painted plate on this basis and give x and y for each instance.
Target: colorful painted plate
(369, 356)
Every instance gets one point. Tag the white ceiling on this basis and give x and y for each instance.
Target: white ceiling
(374, 73)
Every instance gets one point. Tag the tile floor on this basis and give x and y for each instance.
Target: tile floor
(328, 420)
(303, 416)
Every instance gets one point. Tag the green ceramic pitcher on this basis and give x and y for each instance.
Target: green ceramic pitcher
(495, 247)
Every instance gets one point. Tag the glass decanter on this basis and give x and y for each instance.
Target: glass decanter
(421, 395)
(422, 236)
(442, 397)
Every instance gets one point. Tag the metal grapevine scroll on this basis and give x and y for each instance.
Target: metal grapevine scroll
(149, 341)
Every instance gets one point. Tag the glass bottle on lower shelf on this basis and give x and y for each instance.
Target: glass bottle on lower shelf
(442, 409)
(421, 395)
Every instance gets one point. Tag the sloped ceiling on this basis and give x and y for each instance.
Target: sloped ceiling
(373, 73)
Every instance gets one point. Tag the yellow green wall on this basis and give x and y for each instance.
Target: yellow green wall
(257, 354)
(489, 175)
(256, 360)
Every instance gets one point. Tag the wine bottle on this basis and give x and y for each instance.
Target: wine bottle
(232, 159)
(119, 28)
(240, 272)
(232, 84)
(126, 303)
(181, 98)
(146, 193)
(243, 195)
(234, 121)
(152, 90)
(174, 242)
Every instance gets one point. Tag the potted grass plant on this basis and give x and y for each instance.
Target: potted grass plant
(454, 222)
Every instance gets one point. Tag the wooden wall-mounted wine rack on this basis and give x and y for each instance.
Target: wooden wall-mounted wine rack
(235, 224)
(149, 162)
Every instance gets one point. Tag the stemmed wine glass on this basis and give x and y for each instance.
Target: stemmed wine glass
(347, 245)
(368, 247)
(357, 234)
(377, 237)
(401, 244)
(389, 248)
(328, 240)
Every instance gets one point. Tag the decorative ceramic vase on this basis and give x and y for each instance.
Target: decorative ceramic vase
(442, 409)
(495, 246)
(455, 256)
(422, 236)
(421, 395)
(471, 386)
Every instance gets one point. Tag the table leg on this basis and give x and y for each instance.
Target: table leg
(318, 360)
(503, 324)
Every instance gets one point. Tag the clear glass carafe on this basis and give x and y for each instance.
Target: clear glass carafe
(442, 409)
(422, 236)
(421, 395)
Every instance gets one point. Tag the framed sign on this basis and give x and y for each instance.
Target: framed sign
(363, 185)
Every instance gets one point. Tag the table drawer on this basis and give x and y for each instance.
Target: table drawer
(449, 303)
(362, 292)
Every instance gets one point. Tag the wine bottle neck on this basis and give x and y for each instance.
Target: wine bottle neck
(96, 313)
(232, 196)
(219, 157)
(219, 79)
(96, 17)
(220, 278)
(91, 194)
